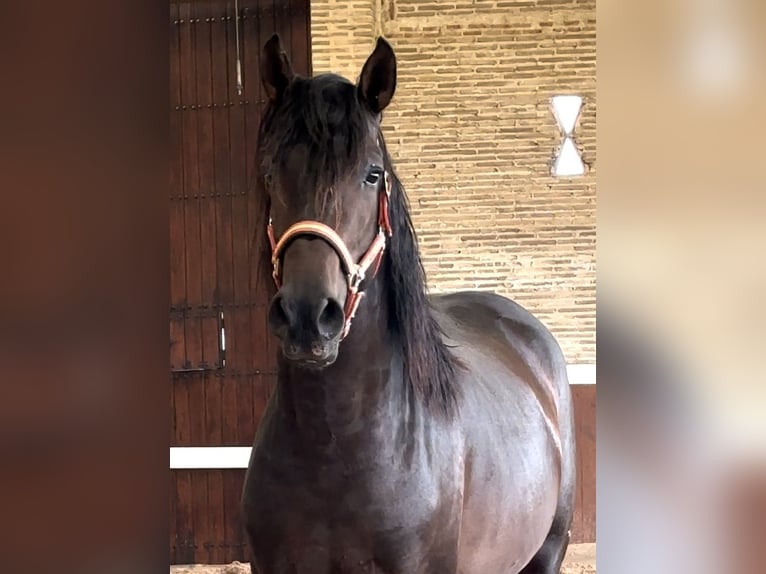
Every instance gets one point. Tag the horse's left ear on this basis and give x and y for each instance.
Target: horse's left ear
(276, 71)
(377, 83)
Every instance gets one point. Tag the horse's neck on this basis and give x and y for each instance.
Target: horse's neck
(362, 394)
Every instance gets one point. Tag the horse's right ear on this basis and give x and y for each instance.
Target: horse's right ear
(276, 71)
(377, 82)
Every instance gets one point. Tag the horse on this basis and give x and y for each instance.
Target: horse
(407, 433)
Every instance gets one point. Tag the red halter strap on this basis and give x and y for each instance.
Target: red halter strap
(355, 272)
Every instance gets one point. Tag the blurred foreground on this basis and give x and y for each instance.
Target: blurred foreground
(682, 279)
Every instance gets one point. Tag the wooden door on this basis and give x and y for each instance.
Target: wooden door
(221, 357)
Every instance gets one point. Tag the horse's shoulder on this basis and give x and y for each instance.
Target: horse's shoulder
(486, 326)
(480, 316)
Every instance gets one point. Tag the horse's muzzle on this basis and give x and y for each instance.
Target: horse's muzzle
(314, 356)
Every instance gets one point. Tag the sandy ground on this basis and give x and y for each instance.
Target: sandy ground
(581, 559)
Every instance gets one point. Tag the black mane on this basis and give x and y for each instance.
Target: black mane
(430, 365)
(325, 114)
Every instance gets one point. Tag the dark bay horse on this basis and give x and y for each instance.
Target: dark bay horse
(431, 434)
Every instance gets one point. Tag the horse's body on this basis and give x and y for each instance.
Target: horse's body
(356, 468)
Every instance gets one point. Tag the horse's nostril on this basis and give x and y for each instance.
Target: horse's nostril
(278, 317)
(331, 318)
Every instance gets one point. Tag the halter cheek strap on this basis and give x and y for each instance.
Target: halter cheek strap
(355, 271)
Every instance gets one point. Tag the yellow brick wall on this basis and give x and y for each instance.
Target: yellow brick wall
(472, 136)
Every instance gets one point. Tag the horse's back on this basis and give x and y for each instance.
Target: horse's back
(516, 412)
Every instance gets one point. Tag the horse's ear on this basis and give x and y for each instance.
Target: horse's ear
(276, 71)
(377, 83)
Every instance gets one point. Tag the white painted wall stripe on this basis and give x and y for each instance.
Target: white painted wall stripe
(581, 374)
(216, 457)
(220, 457)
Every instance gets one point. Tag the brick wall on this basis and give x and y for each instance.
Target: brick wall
(472, 136)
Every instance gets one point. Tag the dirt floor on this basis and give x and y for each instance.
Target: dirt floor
(581, 559)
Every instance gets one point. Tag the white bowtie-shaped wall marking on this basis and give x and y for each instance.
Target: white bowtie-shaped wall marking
(567, 162)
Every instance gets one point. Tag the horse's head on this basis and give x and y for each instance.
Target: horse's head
(323, 165)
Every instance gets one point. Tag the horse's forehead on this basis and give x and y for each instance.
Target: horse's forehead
(297, 153)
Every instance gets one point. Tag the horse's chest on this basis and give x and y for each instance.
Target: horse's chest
(336, 495)
(379, 517)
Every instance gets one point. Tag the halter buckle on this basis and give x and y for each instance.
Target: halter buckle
(355, 280)
(275, 272)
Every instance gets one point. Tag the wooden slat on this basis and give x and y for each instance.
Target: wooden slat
(193, 330)
(177, 344)
(184, 551)
(233, 534)
(182, 430)
(206, 168)
(173, 413)
(220, 429)
(211, 408)
(172, 531)
(223, 80)
(251, 202)
(222, 67)
(577, 521)
(204, 260)
(239, 338)
(265, 25)
(584, 523)
(588, 463)
(239, 351)
(195, 386)
(300, 38)
(176, 214)
(230, 534)
(239, 222)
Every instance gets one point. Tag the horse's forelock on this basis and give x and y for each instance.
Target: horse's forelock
(323, 116)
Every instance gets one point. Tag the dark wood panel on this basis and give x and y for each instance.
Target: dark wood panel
(188, 43)
(208, 410)
(222, 160)
(584, 524)
(206, 170)
(177, 236)
(213, 209)
(173, 502)
(183, 549)
(220, 539)
(300, 42)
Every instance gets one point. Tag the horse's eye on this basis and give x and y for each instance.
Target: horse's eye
(267, 180)
(373, 176)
